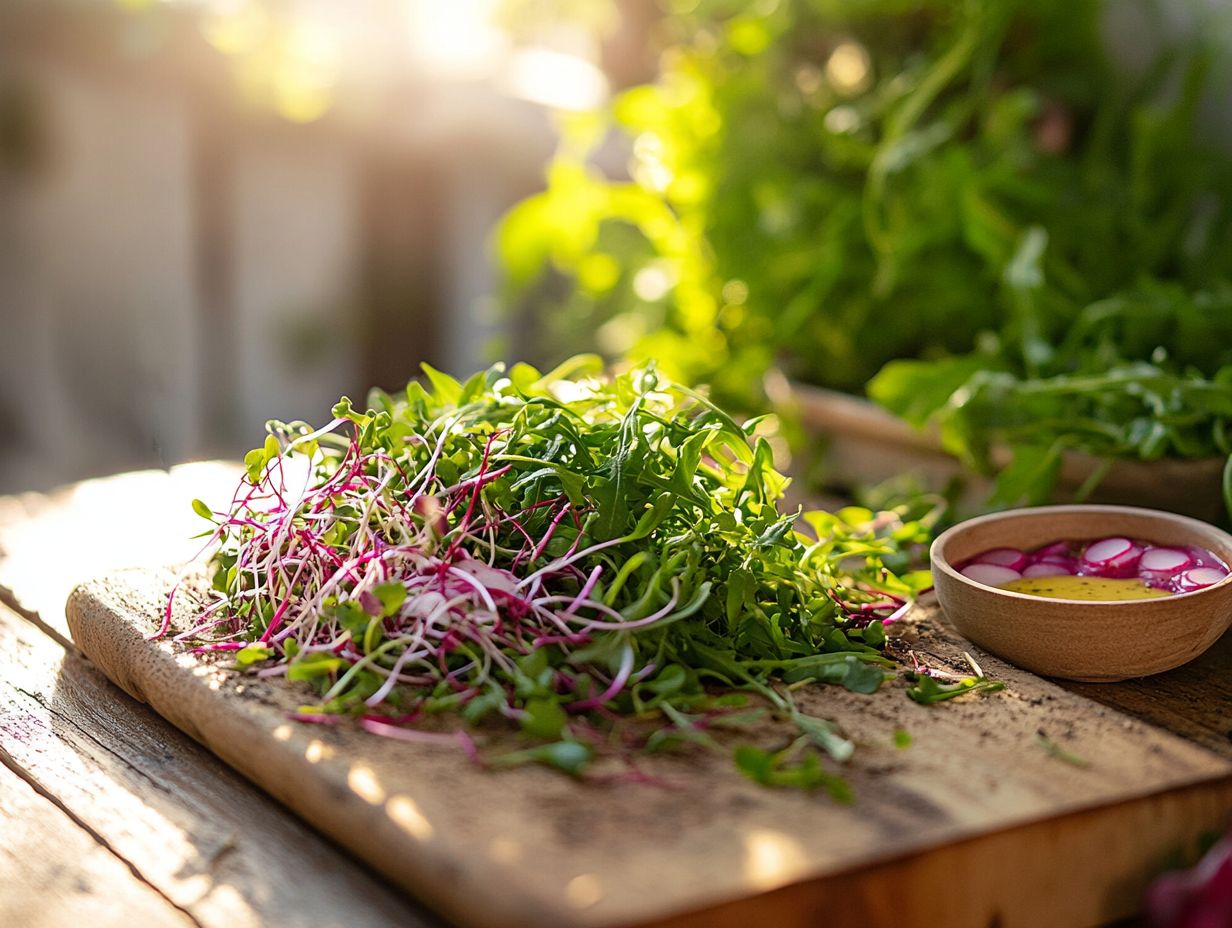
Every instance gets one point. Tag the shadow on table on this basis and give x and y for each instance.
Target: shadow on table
(1193, 701)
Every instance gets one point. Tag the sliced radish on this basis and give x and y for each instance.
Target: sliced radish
(1174, 569)
(1159, 566)
(1164, 562)
(1123, 565)
(1003, 557)
(1106, 550)
(1056, 549)
(1197, 578)
(1059, 560)
(990, 574)
(1047, 569)
(1202, 557)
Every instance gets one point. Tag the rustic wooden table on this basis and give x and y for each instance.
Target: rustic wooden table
(108, 811)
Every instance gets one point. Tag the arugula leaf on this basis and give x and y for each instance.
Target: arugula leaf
(917, 390)
(777, 769)
(928, 691)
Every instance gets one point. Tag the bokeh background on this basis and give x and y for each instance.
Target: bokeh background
(217, 211)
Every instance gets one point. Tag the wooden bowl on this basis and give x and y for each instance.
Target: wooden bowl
(1078, 639)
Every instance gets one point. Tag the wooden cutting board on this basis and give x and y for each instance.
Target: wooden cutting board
(976, 823)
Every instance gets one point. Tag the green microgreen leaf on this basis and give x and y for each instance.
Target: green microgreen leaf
(543, 718)
(392, 595)
(253, 654)
(571, 757)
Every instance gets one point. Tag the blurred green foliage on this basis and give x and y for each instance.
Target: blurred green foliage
(827, 185)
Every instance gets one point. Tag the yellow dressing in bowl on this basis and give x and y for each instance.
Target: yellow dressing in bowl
(1103, 589)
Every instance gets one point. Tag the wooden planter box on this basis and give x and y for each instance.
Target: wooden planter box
(864, 444)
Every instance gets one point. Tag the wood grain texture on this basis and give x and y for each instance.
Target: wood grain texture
(976, 808)
(204, 837)
(51, 542)
(54, 874)
(1194, 701)
(979, 882)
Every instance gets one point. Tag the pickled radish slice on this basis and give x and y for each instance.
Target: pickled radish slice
(990, 574)
(1203, 558)
(1106, 550)
(1165, 561)
(1159, 568)
(1004, 557)
(1068, 563)
(1056, 549)
(1123, 565)
(1047, 569)
(1197, 578)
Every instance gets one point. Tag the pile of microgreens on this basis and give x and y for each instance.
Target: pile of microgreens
(600, 562)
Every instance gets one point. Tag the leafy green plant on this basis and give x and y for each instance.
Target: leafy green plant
(1035, 237)
(563, 552)
(1143, 375)
(830, 186)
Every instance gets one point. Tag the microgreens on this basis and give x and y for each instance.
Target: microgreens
(568, 552)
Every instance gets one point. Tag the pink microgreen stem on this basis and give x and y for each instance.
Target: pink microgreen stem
(617, 684)
(456, 739)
